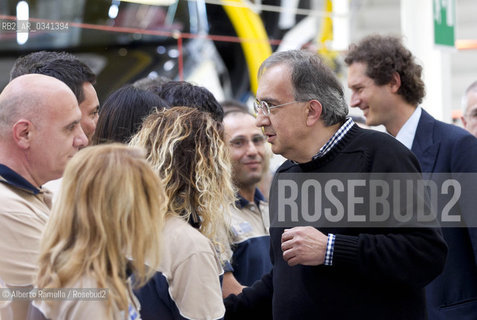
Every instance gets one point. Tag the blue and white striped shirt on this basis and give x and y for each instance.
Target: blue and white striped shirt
(335, 138)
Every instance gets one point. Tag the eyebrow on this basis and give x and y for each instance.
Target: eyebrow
(237, 137)
(354, 85)
(270, 100)
(71, 124)
(255, 135)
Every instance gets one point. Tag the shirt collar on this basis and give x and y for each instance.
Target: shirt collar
(12, 178)
(333, 141)
(408, 130)
(241, 202)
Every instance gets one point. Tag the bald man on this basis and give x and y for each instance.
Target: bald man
(39, 133)
(74, 73)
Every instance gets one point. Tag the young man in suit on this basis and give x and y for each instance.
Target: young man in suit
(386, 84)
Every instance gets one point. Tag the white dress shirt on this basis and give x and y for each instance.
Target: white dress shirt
(408, 130)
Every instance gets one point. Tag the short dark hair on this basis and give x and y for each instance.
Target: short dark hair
(312, 79)
(60, 65)
(185, 94)
(123, 112)
(385, 55)
(26, 64)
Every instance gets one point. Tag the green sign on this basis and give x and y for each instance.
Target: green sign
(444, 22)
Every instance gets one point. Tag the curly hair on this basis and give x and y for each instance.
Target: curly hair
(186, 149)
(111, 206)
(385, 55)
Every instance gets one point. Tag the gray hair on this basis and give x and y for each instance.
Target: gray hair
(471, 88)
(312, 80)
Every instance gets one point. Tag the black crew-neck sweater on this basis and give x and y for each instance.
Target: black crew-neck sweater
(376, 273)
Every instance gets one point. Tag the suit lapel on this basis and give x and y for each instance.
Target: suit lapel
(424, 146)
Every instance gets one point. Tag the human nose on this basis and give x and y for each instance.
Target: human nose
(80, 139)
(262, 120)
(251, 148)
(355, 100)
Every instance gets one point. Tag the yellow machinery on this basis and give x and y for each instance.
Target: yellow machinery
(254, 39)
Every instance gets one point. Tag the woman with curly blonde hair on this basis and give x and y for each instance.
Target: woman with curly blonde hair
(106, 223)
(186, 149)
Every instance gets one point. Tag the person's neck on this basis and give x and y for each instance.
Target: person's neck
(403, 112)
(247, 192)
(16, 163)
(316, 141)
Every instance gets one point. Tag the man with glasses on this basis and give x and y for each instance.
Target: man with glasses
(337, 272)
(250, 221)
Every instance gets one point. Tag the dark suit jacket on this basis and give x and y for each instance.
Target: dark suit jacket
(441, 147)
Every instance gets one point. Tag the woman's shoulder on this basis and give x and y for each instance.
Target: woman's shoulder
(180, 237)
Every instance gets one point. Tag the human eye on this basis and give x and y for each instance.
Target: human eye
(72, 126)
(270, 104)
(237, 143)
(258, 139)
(356, 89)
(95, 112)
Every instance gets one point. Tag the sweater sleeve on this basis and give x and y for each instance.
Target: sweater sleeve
(409, 256)
(254, 302)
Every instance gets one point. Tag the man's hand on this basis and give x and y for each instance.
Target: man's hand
(304, 245)
(230, 285)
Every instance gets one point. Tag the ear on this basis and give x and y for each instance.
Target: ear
(314, 110)
(395, 82)
(22, 133)
(464, 122)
